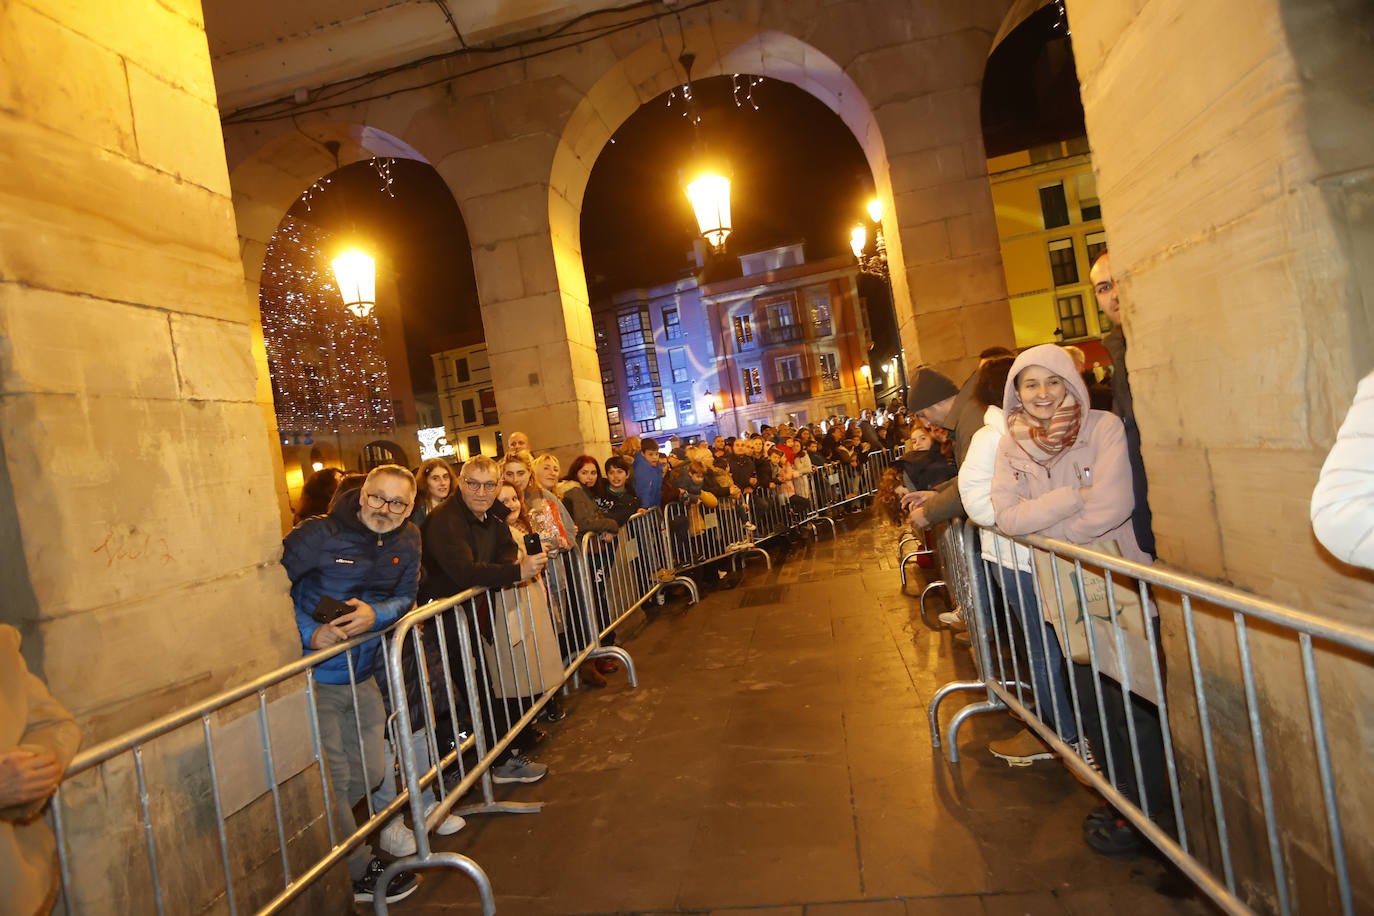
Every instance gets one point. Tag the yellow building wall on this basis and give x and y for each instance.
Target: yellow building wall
(1016, 183)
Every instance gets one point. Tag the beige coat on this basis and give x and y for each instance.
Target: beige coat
(30, 719)
(524, 658)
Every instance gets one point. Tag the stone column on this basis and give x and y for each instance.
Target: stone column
(1234, 149)
(140, 523)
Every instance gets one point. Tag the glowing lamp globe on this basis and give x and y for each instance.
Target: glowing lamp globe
(710, 197)
(858, 240)
(356, 274)
(875, 210)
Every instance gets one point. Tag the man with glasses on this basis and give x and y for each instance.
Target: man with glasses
(365, 554)
(467, 544)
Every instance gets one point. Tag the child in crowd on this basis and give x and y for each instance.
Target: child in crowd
(924, 464)
(613, 494)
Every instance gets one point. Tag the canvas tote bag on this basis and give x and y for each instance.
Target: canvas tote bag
(1085, 602)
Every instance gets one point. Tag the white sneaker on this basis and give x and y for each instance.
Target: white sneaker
(397, 839)
(953, 619)
(449, 825)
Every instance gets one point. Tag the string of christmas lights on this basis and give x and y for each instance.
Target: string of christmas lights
(328, 370)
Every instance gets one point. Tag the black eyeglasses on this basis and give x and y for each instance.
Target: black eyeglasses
(481, 486)
(396, 506)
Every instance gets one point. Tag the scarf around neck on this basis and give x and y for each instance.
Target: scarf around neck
(1045, 444)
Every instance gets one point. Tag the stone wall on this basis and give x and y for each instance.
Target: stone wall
(140, 534)
(1234, 150)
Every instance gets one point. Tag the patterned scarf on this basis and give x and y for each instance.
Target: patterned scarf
(1045, 444)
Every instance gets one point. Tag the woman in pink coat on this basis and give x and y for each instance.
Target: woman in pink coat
(1062, 471)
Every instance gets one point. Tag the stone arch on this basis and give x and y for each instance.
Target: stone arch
(653, 69)
(269, 180)
(265, 183)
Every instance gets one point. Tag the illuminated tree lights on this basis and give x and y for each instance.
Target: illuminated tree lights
(328, 370)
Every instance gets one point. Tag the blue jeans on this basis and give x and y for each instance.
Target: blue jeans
(1048, 676)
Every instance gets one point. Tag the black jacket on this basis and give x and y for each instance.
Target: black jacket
(462, 551)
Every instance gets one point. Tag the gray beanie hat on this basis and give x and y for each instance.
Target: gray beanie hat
(928, 388)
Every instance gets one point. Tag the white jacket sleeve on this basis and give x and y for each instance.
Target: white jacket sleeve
(975, 476)
(1343, 501)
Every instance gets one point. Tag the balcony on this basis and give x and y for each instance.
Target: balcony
(797, 389)
(782, 334)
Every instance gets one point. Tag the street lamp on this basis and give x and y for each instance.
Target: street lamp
(356, 274)
(873, 263)
(710, 197)
(709, 189)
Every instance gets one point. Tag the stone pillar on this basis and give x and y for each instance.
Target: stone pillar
(947, 274)
(1234, 149)
(538, 332)
(140, 523)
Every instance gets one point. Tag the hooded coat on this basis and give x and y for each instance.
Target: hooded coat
(1032, 498)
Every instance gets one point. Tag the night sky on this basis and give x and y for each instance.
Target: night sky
(797, 174)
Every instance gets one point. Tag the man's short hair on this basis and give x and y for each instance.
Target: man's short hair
(483, 463)
(1100, 255)
(990, 352)
(648, 445)
(615, 461)
(391, 470)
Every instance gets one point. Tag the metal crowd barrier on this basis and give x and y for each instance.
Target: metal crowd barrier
(463, 679)
(1089, 678)
(182, 778)
(696, 535)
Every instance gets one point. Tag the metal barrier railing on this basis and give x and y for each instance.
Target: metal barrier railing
(1068, 639)
(464, 677)
(696, 534)
(218, 758)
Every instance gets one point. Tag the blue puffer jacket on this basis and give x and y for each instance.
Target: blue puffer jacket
(339, 556)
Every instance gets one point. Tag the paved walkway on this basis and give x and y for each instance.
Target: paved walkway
(775, 761)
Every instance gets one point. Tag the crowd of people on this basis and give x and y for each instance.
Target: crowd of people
(366, 549)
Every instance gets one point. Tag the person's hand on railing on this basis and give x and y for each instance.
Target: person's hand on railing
(917, 516)
(608, 537)
(533, 565)
(918, 498)
(27, 776)
(327, 635)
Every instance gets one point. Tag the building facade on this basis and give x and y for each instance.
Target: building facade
(657, 361)
(467, 400)
(1049, 222)
(791, 340)
(786, 341)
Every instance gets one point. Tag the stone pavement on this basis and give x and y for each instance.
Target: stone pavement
(775, 760)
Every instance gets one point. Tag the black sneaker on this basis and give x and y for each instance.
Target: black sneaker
(398, 888)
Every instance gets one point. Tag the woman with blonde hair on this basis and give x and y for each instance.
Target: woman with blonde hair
(531, 666)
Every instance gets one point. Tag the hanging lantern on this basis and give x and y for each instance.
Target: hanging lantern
(875, 210)
(710, 197)
(356, 274)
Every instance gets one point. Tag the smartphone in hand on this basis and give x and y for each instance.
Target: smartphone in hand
(330, 609)
(533, 544)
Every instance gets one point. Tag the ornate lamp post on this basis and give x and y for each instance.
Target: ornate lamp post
(708, 188)
(872, 262)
